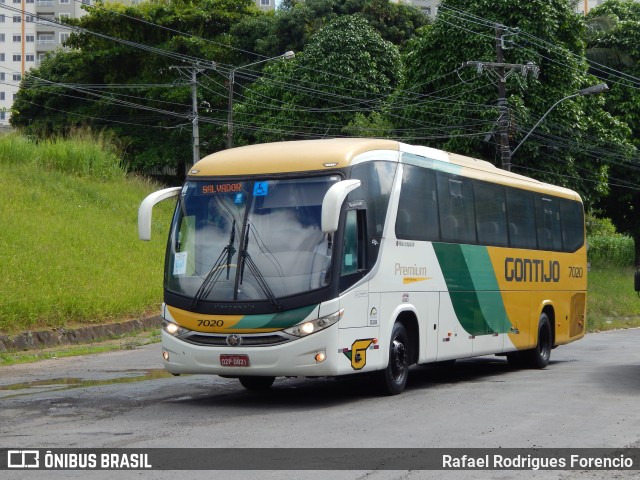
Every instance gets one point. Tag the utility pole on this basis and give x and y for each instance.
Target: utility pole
(232, 81)
(193, 70)
(288, 55)
(194, 102)
(503, 119)
(502, 71)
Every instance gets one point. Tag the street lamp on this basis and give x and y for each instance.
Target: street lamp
(601, 87)
(286, 55)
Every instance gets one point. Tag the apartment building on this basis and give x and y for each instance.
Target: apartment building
(28, 31)
(583, 6)
(266, 5)
(428, 7)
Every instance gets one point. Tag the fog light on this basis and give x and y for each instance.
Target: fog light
(320, 357)
(165, 355)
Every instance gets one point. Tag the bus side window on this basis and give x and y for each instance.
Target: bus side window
(457, 212)
(548, 224)
(417, 217)
(522, 219)
(491, 214)
(377, 179)
(572, 216)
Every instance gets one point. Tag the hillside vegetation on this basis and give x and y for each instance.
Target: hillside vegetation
(69, 236)
(71, 253)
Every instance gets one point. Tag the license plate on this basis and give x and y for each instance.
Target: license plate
(234, 360)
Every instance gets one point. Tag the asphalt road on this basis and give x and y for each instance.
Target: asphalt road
(589, 396)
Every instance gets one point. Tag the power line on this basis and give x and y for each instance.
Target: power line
(340, 102)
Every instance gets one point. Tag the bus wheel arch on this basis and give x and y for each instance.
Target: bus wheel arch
(410, 322)
(550, 312)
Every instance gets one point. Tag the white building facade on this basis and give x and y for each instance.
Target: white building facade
(28, 31)
(266, 5)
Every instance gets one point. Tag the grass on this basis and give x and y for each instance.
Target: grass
(611, 300)
(612, 250)
(69, 237)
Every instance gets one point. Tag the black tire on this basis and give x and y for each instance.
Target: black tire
(539, 356)
(393, 379)
(257, 384)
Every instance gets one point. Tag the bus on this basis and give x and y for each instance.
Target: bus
(330, 257)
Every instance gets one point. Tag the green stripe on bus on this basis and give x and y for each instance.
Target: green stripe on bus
(276, 320)
(473, 288)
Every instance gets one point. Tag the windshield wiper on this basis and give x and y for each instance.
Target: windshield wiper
(214, 274)
(246, 259)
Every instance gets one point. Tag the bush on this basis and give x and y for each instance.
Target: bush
(599, 226)
(611, 250)
(82, 154)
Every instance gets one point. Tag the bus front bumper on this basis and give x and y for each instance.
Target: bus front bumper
(296, 358)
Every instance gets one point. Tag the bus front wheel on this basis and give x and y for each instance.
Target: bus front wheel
(393, 379)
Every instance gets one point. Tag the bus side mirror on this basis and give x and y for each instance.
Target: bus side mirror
(332, 204)
(146, 207)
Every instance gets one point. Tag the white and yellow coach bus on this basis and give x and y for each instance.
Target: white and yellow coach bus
(331, 257)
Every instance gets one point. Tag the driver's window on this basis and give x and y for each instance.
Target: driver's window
(350, 250)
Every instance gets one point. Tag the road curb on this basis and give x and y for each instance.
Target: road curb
(62, 336)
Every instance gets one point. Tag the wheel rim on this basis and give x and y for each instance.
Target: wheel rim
(398, 360)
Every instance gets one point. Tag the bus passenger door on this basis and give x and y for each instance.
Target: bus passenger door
(353, 269)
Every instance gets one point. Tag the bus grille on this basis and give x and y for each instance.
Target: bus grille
(247, 340)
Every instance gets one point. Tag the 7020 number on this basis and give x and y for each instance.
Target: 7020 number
(576, 272)
(210, 323)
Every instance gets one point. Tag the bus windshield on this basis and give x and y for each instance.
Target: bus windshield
(244, 240)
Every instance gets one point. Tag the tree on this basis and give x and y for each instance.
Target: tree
(116, 74)
(296, 21)
(452, 107)
(345, 69)
(623, 101)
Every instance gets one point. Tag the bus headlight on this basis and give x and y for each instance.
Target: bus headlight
(312, 326)
(174, 329)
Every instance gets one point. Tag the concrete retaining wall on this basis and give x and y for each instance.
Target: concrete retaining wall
(63, 336)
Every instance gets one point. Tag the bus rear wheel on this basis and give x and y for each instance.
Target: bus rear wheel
(393, 379)
(537, 357)
(257, 384)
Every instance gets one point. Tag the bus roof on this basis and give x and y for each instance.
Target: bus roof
(337, 153)
(489, 172)
(295, 156)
